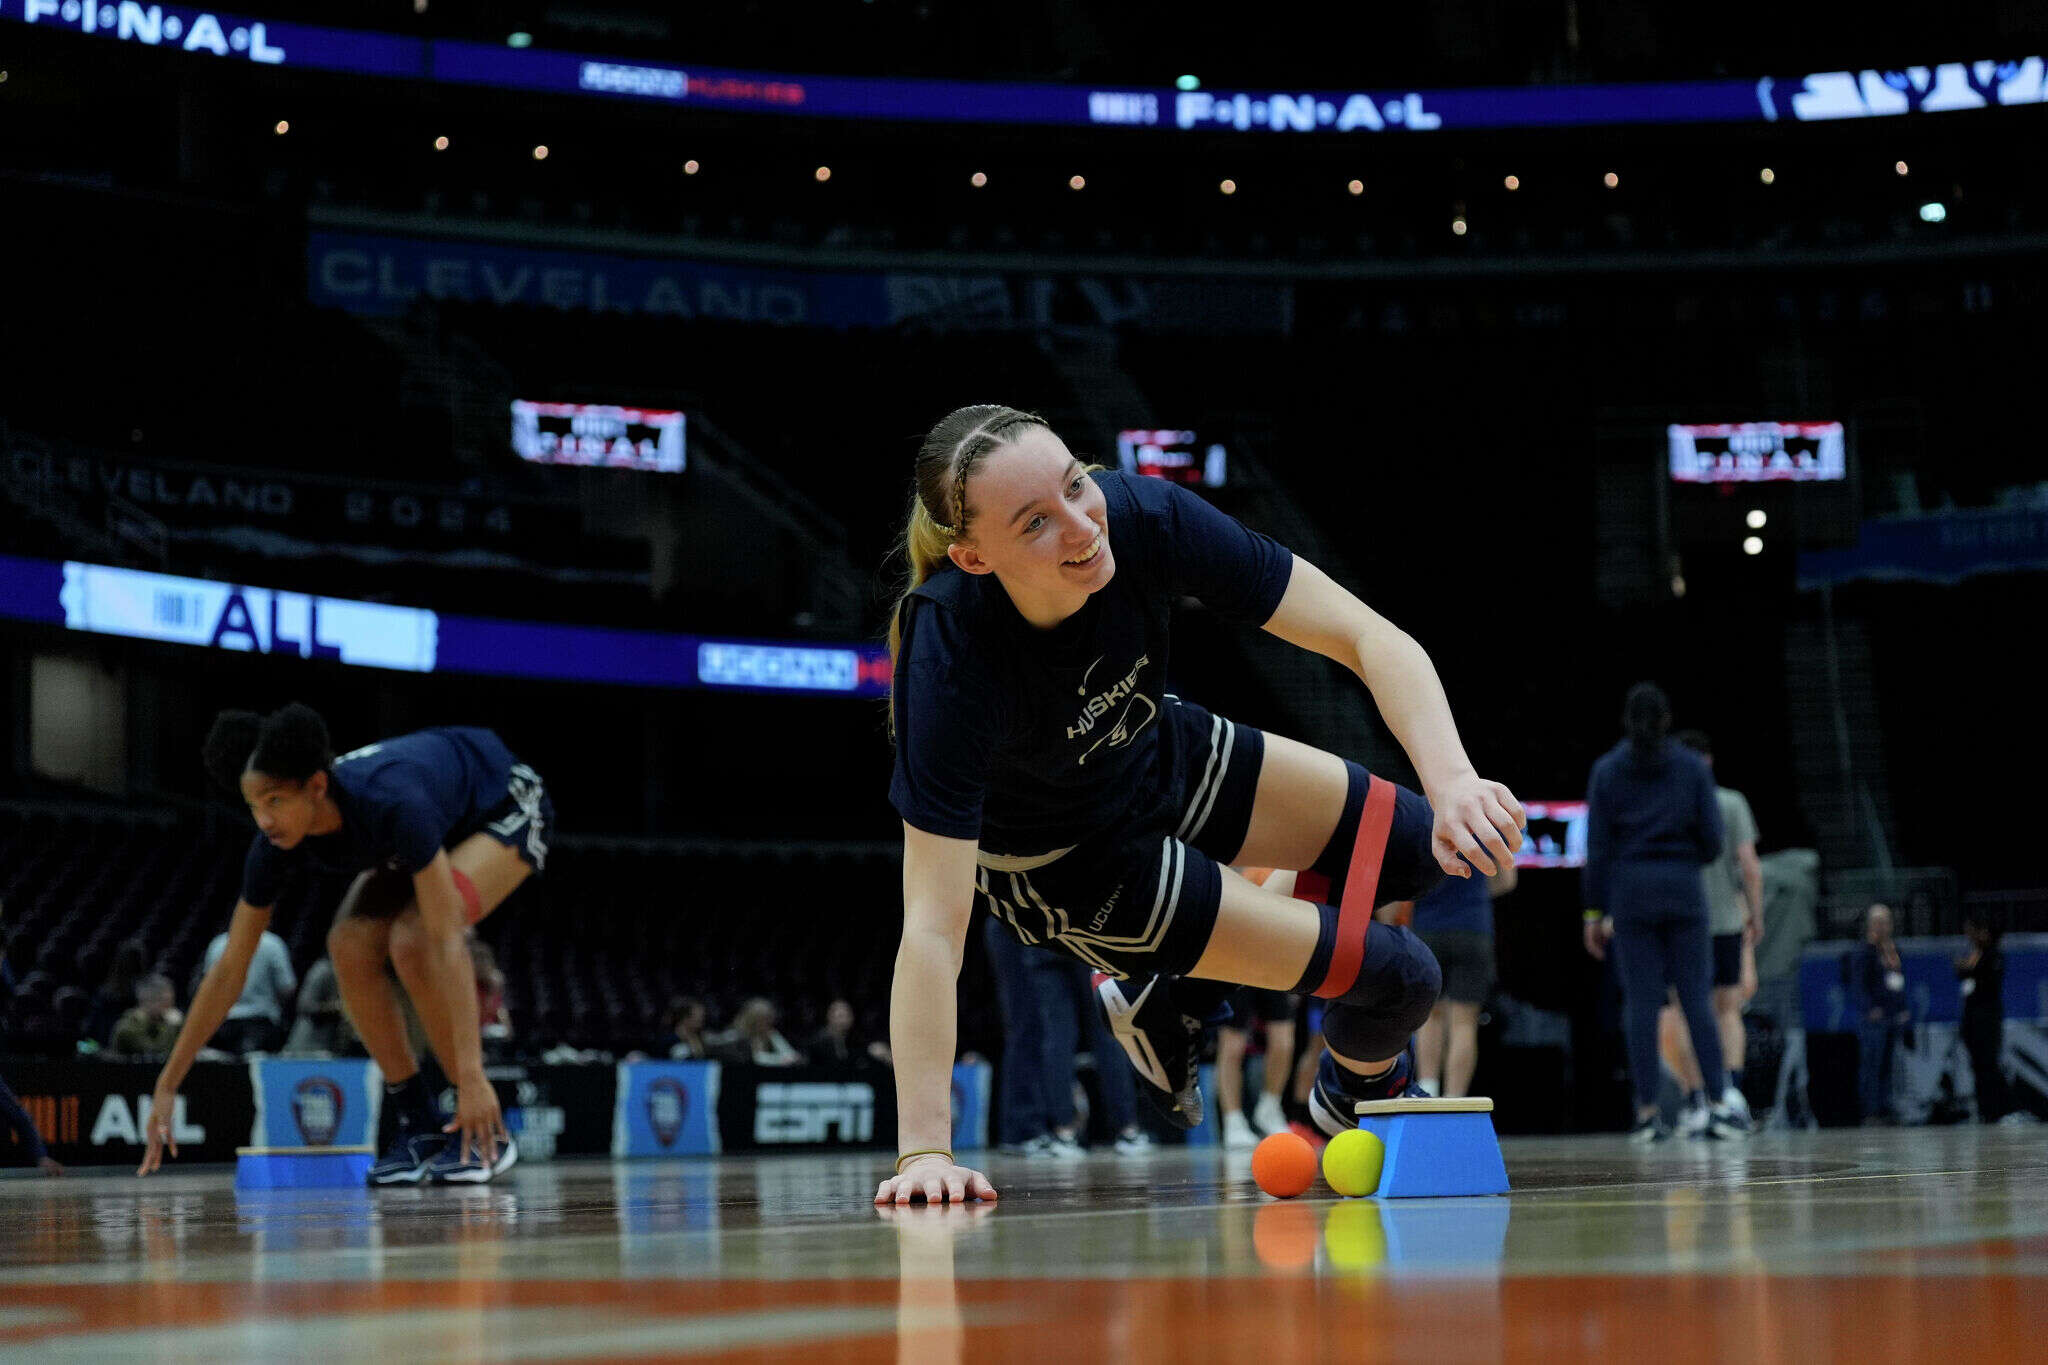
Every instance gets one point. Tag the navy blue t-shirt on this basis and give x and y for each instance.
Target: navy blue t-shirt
(400, 801)
(1030, 740)
(1456, 905)
(1650, 827)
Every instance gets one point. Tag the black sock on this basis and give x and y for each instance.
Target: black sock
(412, 1104)
(1735, 1077)
(1390, 1082)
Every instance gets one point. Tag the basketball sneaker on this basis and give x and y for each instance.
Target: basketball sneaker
(1650, 1129)
(1268, 1116)
(1134, 1142)
(405, 1161)
(1164, 1045)
(455, 1167)
(1338, 1089)
(1737, 1104)
(1713, 1121)
(1238, 1134)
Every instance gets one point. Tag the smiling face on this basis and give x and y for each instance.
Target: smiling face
(285, 811)
(1039, 524)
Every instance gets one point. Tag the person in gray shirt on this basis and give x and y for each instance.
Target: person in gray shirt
(1734, 884)
(255, 1021)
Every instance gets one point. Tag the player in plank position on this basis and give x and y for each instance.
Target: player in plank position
(439, 827)
(1042, 768)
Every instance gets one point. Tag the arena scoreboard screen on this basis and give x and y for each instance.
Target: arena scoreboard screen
(1555, 835)
(1176, 456)
(1757, 452)
(597, 434)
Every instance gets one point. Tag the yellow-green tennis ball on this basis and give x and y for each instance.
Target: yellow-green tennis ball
(1355, 1237)
(1351, 1163)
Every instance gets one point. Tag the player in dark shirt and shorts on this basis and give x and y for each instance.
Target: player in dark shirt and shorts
(1043, 771)
(439, 827)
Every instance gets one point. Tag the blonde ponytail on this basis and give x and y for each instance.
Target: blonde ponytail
(938, 502)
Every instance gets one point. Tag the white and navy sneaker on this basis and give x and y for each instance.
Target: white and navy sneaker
(1332, 1104)
(1649, 1130)
(454, 1167)
(1736, 1105)
(1136, 1142)
(1164, 1045)
(405, 1161)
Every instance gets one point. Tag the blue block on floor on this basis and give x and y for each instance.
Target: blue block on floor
(1435, 1147)
(302, 1168)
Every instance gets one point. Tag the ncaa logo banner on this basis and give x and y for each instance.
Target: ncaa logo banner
(331, 1102)
(666, 1109)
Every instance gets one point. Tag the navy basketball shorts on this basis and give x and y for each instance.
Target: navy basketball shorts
(1728, 959)
(1140, 899)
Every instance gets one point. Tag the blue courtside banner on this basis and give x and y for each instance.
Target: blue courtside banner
(328, 1102)
(666, 1109)
(972, 1083)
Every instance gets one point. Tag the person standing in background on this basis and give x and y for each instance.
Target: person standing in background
(255, 1022)
(1734, 884)
(1651, 824)
(1455, 921)
(1885, 1013)
(1980, 973)
(15, 1121)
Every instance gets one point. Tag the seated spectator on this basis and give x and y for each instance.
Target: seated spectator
(752, 1038)
(685, 1031)
(836, 1044)
(151, 1027)
(117, 992)
(255, 1021)
(323, 1027)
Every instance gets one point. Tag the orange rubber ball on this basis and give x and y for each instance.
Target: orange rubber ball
(1284, 1165)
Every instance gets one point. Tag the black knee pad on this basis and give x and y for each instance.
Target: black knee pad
(1398, 984)
(1408, 868)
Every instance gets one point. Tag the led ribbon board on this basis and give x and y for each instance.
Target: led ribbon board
(1873, 93)
(103, 600)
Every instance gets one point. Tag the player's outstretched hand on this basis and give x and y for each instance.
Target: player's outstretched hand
(936, 1181)
(478, 1120)
(157, 1132)
(1477, 821)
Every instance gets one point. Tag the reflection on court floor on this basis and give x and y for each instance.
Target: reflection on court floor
(1873, 1245)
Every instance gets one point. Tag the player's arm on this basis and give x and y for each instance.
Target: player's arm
(217, 993)
(1752, 868)
(938, 898)
(451, 972)
(1480, 819)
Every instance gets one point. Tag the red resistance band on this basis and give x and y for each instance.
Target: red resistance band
(473, 903)
(1361, 886)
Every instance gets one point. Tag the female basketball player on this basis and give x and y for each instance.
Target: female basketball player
(1041, 765)
(439, 828)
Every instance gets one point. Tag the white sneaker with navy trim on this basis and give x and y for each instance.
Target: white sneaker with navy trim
(453, 1167)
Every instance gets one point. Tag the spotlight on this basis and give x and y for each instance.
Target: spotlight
(1933, 212)
(1187, 83)
(1900, 167)
(1457, 227)
(691, 167)
(1228, 187)
(978, 180)
(440, 144)
(540, 153)
(1513, 182)
(519, 40)
(1767, 175)
(1753, 545)
(1610, 180)
(283, 127)
(1356, 187)
(1756, 518)
(822, 174)
(1077, 182)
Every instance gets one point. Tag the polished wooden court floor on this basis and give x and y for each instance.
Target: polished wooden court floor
(1870, 1245)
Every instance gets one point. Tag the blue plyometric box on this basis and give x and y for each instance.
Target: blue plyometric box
(1435, 1147)
(301, 1168)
